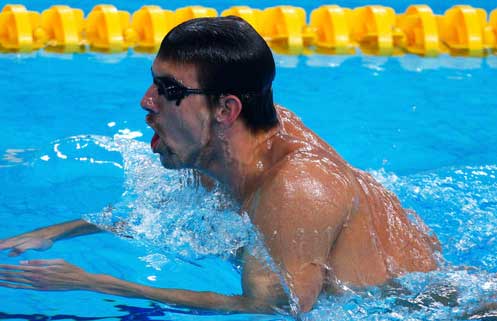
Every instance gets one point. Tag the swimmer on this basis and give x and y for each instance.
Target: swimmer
(324, 223)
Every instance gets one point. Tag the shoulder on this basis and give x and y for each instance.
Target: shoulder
(300, 211)
(305, 186)
(309, 169)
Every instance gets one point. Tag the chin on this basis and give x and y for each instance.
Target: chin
(171, 162)
(167, 162)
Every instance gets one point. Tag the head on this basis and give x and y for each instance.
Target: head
(230, 58)
(225, 61)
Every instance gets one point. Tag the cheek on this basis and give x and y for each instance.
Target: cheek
(200, 125)
(192, 130)
(168, 120)
(187, 124)
(177, 130)
(193, 133)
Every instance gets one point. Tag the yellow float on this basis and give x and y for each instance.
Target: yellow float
(192, 12)
(108, 29)
(151, 24)
(252, 16)
(461, 29)
(419, 25)
(373, 28)
(64, 28)
(331, 24)
(284, 28)
(20, 29)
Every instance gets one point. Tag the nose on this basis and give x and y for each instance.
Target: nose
(149, 101)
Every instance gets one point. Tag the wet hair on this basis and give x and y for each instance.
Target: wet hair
(231, 58)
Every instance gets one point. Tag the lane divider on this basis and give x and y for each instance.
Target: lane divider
(374, 29)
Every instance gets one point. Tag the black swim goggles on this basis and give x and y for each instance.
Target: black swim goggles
(173, 90)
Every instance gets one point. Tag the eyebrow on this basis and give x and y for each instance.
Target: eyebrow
(166, 77)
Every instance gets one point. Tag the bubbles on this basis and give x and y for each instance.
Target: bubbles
(167, 210)
(174, 218)
(454, 294)
(459, 204)
(155, 261)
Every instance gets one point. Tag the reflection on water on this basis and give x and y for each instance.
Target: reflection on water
(154, 312)
(15, 156)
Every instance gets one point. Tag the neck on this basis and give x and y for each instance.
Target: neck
(239, 158)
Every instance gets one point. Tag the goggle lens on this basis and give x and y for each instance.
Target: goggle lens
(170, 90)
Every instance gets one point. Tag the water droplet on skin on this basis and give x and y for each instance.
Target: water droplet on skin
(269, 144)
(260, 165)
(300, 232)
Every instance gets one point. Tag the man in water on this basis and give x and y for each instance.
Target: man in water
(323, 222)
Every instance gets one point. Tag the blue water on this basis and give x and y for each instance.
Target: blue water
(73, 142)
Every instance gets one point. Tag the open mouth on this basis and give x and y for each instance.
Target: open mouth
(154, 142)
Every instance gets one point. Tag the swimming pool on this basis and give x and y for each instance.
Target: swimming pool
(73, 140)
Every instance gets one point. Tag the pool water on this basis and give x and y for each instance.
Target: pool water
(74, 144)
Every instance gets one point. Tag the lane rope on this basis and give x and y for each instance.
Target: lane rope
(330, 29)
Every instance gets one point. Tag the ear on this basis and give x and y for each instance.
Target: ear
(228, 110)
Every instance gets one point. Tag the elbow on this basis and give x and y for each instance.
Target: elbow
(307, 296)
(306, 303)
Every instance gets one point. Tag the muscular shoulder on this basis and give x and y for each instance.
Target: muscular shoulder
(301, 210)
(306, 187)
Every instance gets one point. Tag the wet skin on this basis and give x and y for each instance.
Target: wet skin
(322, 221)
(376, 241)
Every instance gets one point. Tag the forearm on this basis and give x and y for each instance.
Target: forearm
(193, 299)
(68, 230)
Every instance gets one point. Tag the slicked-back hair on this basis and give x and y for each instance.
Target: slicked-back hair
(231, 58)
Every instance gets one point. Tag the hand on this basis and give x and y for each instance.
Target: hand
(43, 275)
(27, 241)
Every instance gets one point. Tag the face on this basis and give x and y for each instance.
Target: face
(182, 127)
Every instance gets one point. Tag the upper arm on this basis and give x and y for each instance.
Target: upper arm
(300, 212)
